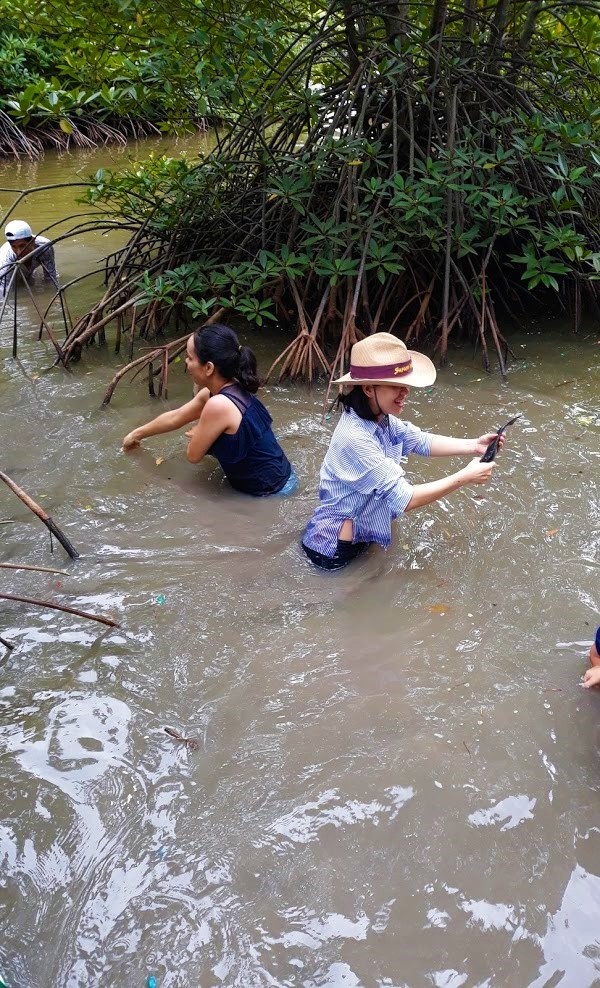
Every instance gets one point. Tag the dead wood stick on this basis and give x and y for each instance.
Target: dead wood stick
(38, 569)
(45, 325)
(141, 363)
(6, 643)
(7, 293)
(61, 607)
(42, 515)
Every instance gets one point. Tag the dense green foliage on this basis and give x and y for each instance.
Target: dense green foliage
(411, 166)
(81, 72)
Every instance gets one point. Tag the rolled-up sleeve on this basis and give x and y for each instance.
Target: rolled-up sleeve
(412, 439)
(391, 486)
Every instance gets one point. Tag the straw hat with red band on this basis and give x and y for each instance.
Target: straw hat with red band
(384, 359)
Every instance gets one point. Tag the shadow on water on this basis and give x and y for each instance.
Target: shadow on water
(397, 777)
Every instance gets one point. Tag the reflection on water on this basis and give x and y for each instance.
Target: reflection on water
(398, 771)
(571, 944)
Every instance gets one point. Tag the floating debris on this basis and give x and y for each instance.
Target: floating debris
(190, 743)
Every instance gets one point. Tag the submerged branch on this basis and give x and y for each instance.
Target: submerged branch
(37, 569)
(41, 514)
(61, 607)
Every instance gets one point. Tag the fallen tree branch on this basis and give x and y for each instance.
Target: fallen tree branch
(61, 607)
(6, 643)
(38, 569)
(42, 515)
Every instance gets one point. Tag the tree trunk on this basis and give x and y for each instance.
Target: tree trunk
(497, 31)
(351, 36)
(469, 14)
(396, 19)
(436, 31)
(438, 18)
(526, 37)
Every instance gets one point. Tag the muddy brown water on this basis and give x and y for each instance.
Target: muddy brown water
(396, 782)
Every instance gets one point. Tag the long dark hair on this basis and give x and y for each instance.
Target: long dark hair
(220, 345)
(357, 400)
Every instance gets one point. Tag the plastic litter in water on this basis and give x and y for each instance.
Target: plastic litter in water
(151, 982)
(161, 598)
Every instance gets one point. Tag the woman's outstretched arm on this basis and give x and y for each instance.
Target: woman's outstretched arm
(474, 473)
(177, 418)
(448, 446)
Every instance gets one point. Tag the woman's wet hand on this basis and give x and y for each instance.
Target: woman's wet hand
(130, 442)
(484, 441)
(477, 472)
(592, 677)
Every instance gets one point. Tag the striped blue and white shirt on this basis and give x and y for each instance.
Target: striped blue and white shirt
(361, 478)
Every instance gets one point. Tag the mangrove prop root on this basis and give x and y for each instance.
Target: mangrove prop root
(61, 607)
(425, 115)
(7, 293)
(297, 358)
(44, 323)
(41, 514)
(167, 353)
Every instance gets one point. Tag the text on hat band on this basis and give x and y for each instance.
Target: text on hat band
(383, 370)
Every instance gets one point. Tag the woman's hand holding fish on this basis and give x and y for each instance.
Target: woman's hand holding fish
(476, 472)
(484, 441)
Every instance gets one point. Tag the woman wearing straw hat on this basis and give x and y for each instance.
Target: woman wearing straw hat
(362, 485)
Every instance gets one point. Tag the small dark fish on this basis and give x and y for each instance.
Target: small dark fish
(490, 453)
(190, 743)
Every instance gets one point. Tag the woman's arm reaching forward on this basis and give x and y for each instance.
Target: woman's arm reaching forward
(177, 418)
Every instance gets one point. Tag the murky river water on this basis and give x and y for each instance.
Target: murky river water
(397, 777)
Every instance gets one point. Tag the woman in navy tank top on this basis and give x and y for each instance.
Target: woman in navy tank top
(231, 423)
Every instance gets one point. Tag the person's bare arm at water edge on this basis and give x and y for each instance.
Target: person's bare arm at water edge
(177, 418)
(592, 676)
(475, 472)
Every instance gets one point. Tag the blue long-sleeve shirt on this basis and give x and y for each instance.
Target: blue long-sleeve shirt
(361, 479)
